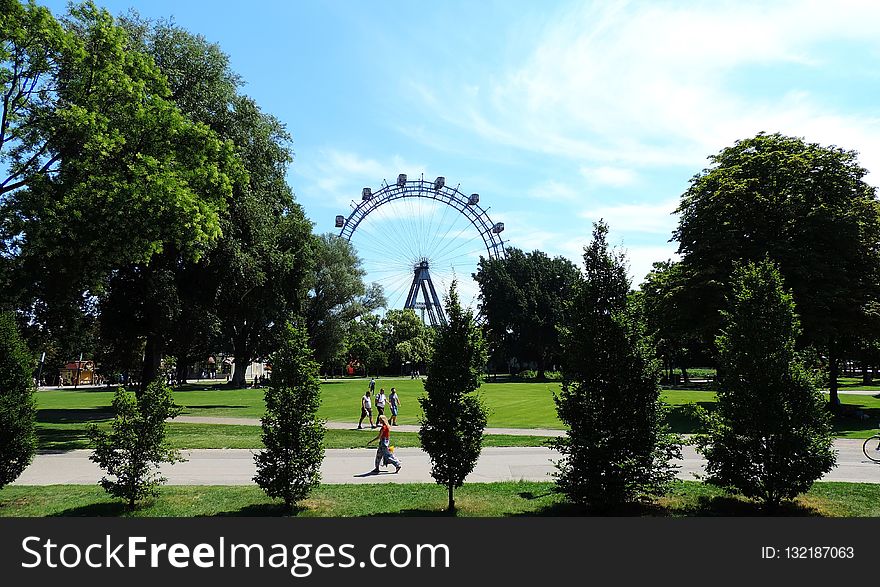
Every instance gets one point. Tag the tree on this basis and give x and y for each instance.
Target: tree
(364, 344)
(106, 171)
(136, 445)
(406, 339)
(770, 437)
(669, 316)
(807, 208)
(253, 278)
(617, 447)
(523, 298)
(338, 297)
(17, 404)
(290, 466)
(451, 429)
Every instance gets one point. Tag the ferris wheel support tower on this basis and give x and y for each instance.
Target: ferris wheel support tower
(467, 207)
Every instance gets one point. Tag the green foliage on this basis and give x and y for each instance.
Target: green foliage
(451, 430)
(617, 448)
(406, 338)
(136, 445)
(531, 375)
(17, 404)
(807, 208)
(339, 299)
(770, 437)
(523, 298)
(290, 467)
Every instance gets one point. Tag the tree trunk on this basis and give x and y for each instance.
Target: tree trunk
(833, 399)
(181, 369)
(684, 375)
(152, 360)
(451, 499)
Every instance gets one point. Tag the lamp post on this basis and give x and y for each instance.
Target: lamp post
(40, 370)
(78, 367)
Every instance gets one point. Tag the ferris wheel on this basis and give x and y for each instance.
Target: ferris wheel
(415, 236)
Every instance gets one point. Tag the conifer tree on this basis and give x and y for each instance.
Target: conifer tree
(451, 429)
(136, 445)
(290, 466)
(17, 404)
(770, 436)
(617, 448)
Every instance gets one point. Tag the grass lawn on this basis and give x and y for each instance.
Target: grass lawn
(62, 413)
(689, 498)
(74, 435)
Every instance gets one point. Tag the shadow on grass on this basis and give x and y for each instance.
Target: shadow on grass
(61, 440)
(212, 406)
(96, 510)
(723, 505)
(855, 418)
(262, 510)
(682, 419)
(73, 416)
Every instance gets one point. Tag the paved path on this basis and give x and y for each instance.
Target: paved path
(353, 426)
(236, 466)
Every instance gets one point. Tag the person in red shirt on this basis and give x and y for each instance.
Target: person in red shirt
(384, 454)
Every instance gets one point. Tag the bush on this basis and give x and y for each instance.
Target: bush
(451, 430)
(134, 448)
(530, 375)
(770, 436)
(290, 466)
(17, 407)
(617, 448)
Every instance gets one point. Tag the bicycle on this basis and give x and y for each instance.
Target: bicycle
(871, 448)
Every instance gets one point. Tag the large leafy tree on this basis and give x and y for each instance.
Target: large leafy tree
(523, 299)
(406, 339)
(669, 316)
(338, 297)
(770, 437)
(804, 205)
(451, 429)
(617, 447)
(253, 278)
(105, 171)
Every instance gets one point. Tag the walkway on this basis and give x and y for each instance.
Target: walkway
(236, 466)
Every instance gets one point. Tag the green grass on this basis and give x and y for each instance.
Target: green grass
(688, 498)
(74, 435)
(511, 405)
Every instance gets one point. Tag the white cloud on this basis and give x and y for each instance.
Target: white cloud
(637, 218)
(337, 176)
(608, 175)
(553, 190)
(631, 84)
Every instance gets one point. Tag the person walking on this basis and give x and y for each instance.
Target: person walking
(372, 384)
(366, 410)
(394, 402)
(384, 456)
(380, 402)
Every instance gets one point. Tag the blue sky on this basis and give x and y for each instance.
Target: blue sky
(557, 113)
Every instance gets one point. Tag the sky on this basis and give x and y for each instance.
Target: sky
(556, 113)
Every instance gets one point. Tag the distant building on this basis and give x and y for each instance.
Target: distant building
(78, 373)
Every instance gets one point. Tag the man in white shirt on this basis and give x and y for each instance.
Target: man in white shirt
(366, 410)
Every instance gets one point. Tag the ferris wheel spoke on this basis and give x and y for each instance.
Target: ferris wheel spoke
(450, 244)
(416, 223)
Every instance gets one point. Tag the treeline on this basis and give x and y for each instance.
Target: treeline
(802, 206)
(145, 219)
